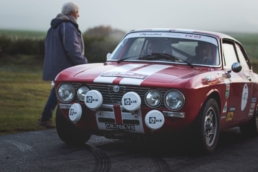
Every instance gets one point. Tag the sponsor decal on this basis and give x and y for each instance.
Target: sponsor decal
(225, 107)
(90, 99)
(128, 101)
(252, 105)
(193, 36)
(124, 75)
(153, 120)
(210, 80)
(244, 97)
(232, 109)
(251, 111)
(174, 35)
(150, 34)
(227, 82)
(120, 127)
(72, 112)
(229, 116)
(254, 100)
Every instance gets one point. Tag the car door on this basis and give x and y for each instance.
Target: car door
(248, 73)
(240, 83)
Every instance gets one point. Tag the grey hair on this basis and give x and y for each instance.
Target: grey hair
(69, 7)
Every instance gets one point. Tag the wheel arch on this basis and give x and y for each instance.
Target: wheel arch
(196, 129)
(215, 95)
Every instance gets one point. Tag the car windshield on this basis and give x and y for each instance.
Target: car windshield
(168, 47)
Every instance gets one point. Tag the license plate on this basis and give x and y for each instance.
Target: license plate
(120, 127)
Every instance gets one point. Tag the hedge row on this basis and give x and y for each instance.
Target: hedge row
(96, 48)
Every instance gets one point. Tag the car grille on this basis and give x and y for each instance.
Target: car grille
(112, 97)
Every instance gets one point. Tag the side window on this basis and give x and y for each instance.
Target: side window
(229, 54)
(242, 57)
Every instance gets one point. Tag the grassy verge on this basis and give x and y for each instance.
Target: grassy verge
(22, 97)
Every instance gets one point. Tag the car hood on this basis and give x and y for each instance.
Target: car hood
(127, 74)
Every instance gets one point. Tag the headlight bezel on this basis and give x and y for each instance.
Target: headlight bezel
(72, 91)
(78, 96)
(146, 102)
(165, 97)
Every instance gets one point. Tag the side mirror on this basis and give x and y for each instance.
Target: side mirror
(109, 56)
(236, 67)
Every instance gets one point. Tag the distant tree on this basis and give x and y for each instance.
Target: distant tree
(99, 31)
(104, 32)
(99, 41)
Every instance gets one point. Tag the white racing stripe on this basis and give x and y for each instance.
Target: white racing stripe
(149, 70)
(124, 68)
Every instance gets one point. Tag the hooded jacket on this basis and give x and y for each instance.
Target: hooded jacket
(64, 47)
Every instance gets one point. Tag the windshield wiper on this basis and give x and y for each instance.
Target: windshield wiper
(120, 60)
(173, 57)
(155, 56)
(148, 57)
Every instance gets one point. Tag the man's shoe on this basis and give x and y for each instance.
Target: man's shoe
(47, 124)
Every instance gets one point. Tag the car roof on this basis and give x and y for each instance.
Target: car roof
(190, 31)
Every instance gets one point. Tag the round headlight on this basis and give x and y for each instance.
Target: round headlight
(174, 100)
(82, 92)
(65, 93)
(153, 98)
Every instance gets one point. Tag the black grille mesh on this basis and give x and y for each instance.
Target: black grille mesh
(112, 97)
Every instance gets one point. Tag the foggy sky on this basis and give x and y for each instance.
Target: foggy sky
(217, 15)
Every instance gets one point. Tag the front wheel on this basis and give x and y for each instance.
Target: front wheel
(208, 126)
(68, 133)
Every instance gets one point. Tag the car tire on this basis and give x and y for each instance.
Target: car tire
(251, 128)
(207, 127)
(68, 133)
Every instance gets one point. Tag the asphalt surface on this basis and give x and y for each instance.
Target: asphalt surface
(44, 151)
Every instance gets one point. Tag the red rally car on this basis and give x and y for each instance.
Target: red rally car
(160, 81)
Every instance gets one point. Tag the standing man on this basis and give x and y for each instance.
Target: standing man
(64, 48)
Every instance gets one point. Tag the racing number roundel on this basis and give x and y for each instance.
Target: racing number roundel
(244, 97)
